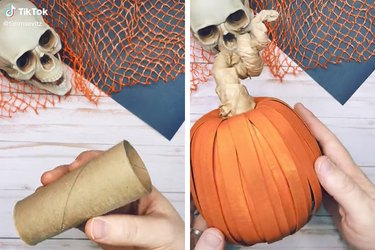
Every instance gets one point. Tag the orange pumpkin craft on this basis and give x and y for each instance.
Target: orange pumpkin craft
(252, 174)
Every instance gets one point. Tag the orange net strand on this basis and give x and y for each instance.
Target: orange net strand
(121, 43)
(20, 97)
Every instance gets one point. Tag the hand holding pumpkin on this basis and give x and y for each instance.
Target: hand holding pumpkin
(211, 239)
(352, 204)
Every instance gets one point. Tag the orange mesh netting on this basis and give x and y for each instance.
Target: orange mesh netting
(109, 43)
(20, 97)
(312, 33)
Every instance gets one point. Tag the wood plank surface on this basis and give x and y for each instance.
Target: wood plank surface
(31, 144)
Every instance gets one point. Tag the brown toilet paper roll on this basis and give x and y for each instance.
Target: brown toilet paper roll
(112, 180)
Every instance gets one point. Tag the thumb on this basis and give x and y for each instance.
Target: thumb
(129, 230)
(341, 187)
(211, 239)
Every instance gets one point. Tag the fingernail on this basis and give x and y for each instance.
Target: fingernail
(98, 229)
(212, 239)
(324, 166)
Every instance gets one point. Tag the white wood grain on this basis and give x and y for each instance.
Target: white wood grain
(71, 244)
(31, 144)
(353, 123)
(43, 156)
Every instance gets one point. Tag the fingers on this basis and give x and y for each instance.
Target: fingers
(333, 148)
(157, 224)
(200, 224)
(342, 188)
(54, 174)
(84, 158)
(156, 203)
(58, 172)
(329, 143)
(332, 208)
(211, 239)
(130, 230)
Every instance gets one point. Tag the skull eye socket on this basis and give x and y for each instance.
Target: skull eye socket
(209, 34)
(48, 40)
(207, 31)
(237, 20)
(26, 61)
(47, 62)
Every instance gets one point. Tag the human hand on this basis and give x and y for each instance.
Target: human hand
(353, 203)
(201, 237)
(150, 223)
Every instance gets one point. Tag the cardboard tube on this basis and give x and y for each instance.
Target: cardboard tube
(112, 180)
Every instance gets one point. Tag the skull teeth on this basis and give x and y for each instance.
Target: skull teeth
(60, 87)
(52, 79)
(56, 82)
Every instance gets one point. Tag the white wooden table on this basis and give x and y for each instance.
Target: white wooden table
(353, 123)
(31, 144)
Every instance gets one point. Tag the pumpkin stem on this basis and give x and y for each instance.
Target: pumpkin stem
(231, 66)
(227, 70)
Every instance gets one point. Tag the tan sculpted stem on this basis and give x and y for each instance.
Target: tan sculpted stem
(245, 61)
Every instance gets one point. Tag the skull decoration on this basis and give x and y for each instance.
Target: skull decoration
(217, 23)
(29, 48)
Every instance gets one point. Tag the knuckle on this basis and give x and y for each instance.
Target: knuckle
(347, 184)
(82, 155)
(88, 153)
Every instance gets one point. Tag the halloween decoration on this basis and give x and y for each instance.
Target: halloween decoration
(29, 48)
(309, 35)
(108, 45)
(110, 181)
(252, 159)
(221, 25)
